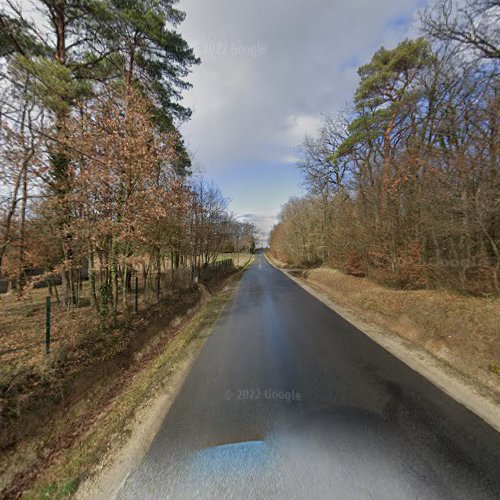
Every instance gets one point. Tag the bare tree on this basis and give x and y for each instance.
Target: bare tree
(473, 24)
(323, 171)
(19, 150)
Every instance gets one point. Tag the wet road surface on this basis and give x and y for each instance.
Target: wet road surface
(289, 400)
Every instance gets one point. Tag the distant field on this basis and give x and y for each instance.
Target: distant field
(239, 259)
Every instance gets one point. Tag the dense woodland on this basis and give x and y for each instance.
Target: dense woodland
(403, 186)
(94, 172)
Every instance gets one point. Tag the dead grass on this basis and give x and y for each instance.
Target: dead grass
(22, 325)
(276, 262)
(464, 332)
(240, 260)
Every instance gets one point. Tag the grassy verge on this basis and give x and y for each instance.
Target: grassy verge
(275, 262)
(462, 332)
(245, 260)
(112, 424)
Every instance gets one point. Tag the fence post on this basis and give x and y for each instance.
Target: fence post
(47, 324)
(136, 304)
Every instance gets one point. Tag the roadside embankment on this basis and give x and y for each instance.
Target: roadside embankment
(96, 411)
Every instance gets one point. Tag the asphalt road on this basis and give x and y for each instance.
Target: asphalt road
(288, 400)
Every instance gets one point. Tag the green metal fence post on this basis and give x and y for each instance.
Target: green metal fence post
(136, 294)
(47, 324)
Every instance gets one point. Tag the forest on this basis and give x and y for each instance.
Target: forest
(96, 181)
(403, 184)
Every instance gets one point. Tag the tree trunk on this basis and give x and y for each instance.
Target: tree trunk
(93, 293)
(22, 233)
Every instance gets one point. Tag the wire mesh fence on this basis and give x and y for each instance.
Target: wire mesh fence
(39, 324)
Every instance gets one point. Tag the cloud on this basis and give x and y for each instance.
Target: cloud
(269, 70)
(289, 159)
(263, 223)
(298, 126)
